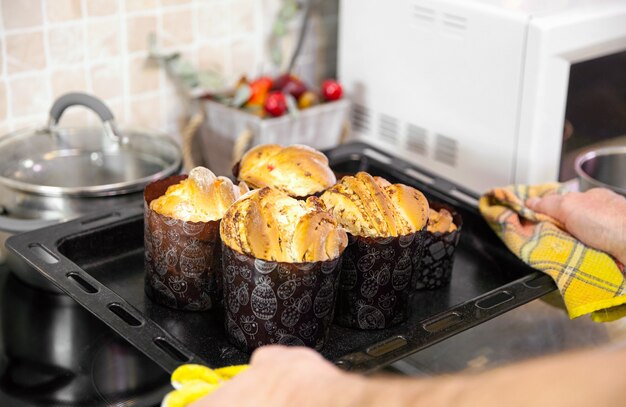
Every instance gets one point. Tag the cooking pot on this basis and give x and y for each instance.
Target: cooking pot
(52, 174)
(603, 168)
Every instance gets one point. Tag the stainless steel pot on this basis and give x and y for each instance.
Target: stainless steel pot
(603, 168)
(52, 174)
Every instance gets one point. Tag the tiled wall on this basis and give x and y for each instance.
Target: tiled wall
(49, 47)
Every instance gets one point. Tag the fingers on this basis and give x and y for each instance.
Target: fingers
(272, 353)
(550, 205)
(266, 353)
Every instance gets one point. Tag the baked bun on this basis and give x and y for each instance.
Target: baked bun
(440, 222)
(372, 207)
(297, 170)
(270, 225)
(202, 197)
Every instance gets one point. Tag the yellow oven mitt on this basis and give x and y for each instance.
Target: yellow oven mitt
(590, 281)
(192, 382)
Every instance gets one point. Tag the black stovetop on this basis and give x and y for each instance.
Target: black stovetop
(55, 353)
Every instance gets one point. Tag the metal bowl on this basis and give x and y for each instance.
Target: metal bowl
(603, 168)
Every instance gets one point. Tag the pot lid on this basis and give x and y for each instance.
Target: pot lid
(85, 161)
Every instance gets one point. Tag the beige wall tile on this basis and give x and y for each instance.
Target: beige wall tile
(212, 57)
(117, 108)
(213, 20)
(244, 58)
(174, 2)
(139, 28)
(101, 7)
(137, 5)
(29, 95)
(21, 13)
(4, 128)
(66, 45)
(175, 113)
(25, 52)
(68, 80)
(107, 79)
(63, 10)
(243, 16)
(3, 101)
(143, 76)
(146, 112)
(177, 28)
(88, 53)
(103, 39)
(23, 122)
(78, 116)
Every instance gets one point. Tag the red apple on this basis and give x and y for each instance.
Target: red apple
(281, 81)
(289, 84)
(331, 90)
(276, 104)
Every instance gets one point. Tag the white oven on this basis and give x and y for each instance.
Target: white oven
(482, 92)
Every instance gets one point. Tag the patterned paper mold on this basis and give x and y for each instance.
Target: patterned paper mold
(375, 281)
(182, 259)
(269, 302)
(434, 267)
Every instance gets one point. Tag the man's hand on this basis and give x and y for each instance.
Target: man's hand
(596, 217)
(282, 376)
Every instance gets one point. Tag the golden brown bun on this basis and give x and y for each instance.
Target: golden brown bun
(440, 222)
(202, 197)
(372, 207)
(297, 170)
(270, 225)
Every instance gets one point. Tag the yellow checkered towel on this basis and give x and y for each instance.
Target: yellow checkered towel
(590, 281)
(191, 382)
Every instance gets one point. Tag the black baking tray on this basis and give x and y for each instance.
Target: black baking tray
(99, 261)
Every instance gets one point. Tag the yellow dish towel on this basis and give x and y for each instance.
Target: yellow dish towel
(192, 382)
(590, 281)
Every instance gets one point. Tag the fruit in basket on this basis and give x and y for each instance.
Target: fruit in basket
(265, 97)
(307, 99)
(331, 90)
(259, 90)
(289, 84)
(276, 104)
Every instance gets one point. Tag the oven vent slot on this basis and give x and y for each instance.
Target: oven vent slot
(361, 118)
(423, 14)
(388, 128)
(446, 150)
(416, 139)
(454, 22)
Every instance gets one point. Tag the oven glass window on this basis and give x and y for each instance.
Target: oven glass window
(595, 114)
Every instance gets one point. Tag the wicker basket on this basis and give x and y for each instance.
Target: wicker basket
(227, 132)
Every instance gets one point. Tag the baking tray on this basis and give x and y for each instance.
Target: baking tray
(98, 261)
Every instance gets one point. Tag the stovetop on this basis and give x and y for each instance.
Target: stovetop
(55, 353)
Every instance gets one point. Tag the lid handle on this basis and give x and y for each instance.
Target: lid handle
(91, 102)
(82, 99)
